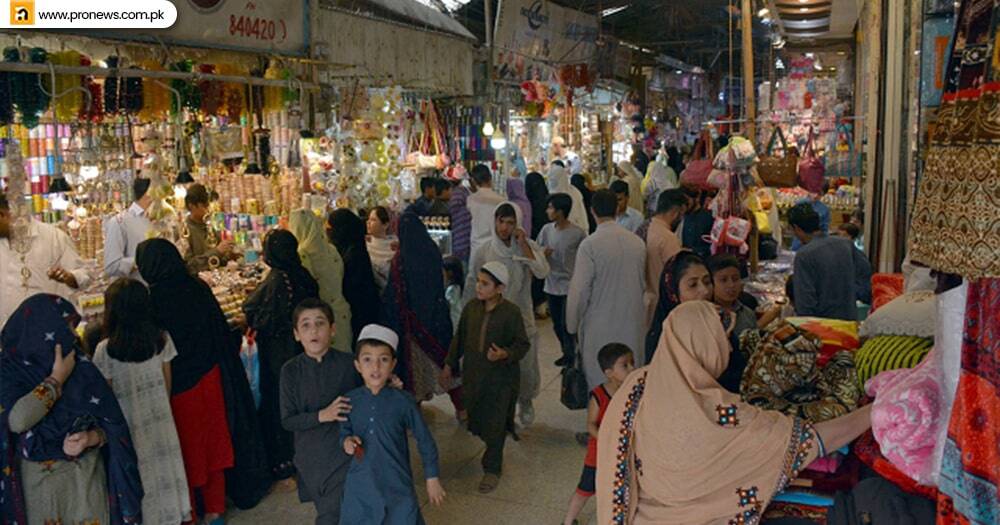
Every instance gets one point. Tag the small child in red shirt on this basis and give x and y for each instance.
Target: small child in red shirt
(617, 362)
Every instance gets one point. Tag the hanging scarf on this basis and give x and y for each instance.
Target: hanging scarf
(677, 448)
(516, 194)
(414, 300)
(28, 340)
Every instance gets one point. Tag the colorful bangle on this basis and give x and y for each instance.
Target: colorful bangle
(55, 384)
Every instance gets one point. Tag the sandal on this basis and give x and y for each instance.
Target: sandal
(489, 483)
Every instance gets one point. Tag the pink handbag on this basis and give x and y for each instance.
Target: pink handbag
(697, 171)
(811, 169)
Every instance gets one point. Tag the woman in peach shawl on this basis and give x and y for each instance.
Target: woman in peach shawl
(677, 448)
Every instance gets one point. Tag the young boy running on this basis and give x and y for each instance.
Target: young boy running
(492, 339)
(617, 362)
(313, 406)
(379, 481)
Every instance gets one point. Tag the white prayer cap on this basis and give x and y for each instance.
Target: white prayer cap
(498, 271)
(379, 333)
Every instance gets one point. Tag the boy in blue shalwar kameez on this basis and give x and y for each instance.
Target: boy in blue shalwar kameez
(379, 488)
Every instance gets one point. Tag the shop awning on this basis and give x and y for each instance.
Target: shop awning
(421, 14)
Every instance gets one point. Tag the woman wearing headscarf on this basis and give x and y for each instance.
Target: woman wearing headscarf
(659, 177)
(516, 193)
(347, 233)
(685, 278)
(324, 263)
(523, 259)
(580, 183)
(676, 448)
(210, 399)
(627, 172)
(380, 244)
(66, 454)
(559, 183)
(538, 195)
(414, 306)
(269, 313)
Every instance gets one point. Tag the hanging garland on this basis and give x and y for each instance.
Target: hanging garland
(190, 96)
(211, 92)
(113, 88)
(234, 95)
(26, 94)
(156, 99)
(95, 112)
(67, 106)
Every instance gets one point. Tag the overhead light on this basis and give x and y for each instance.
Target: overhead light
(817, 66)
(803, 9)
(612, 10)
(488, 129)
(841, 53)
(916, 52)
(499, 140)
(778, 64)
(803, 1)
(763, 12)
(679, 72)
(833, 68)
(810, 55)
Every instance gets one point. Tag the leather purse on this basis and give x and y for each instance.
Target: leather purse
(811, 169)
(697, 171)
(775, 171)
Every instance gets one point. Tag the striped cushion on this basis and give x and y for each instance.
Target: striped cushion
(889, 352)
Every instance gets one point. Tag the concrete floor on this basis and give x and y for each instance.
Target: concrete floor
(540, 472)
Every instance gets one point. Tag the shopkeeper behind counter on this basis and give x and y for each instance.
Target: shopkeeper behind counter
(203, 253)
(51, 265)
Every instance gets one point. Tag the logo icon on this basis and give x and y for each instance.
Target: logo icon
(536, 19)
(22, 12)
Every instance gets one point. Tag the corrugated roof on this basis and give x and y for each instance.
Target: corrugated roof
(424, 14)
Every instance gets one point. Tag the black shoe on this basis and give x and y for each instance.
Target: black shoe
(563, 361)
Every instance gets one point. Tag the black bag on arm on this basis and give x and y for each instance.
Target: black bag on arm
(876, 501)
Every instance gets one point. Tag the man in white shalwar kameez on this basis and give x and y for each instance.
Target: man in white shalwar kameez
(523, 258)
(605, 302)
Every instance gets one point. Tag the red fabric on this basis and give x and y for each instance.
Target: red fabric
(200, 416)
(885, 287)
(971, 465)
(867, 450)
(603, 400)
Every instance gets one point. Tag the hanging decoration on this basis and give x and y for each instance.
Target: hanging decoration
(69, 104)
(94, 111)
(211, 92)
(156, 99)
(233, 95)
(190, 96)
(30, 101)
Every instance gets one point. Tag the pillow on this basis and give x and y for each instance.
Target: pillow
(836, 335)
(889, 352)
(885, 288)
(909, 314)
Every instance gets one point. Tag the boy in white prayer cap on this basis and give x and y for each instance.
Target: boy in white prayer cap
(379, 486)
(492, 340)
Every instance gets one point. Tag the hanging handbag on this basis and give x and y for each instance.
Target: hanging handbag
(697, 171)
(775, 171)
(574, 394)
(811, 169)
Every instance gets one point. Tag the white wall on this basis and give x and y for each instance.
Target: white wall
(383, 53)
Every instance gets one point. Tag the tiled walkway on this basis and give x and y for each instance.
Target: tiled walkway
(540, 472)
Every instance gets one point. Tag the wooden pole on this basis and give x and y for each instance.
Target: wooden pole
(750, 108)
(749, 95)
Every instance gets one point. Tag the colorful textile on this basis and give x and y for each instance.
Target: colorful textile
(954, 226)
(28, 340)
(867, 450)
(779, 510)
(906, 416)
(836, 335)
(885, 287)
(909, 314)
(889, 352)
(970, 472)
(784, 375)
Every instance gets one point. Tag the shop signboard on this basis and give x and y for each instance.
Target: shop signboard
(279, 27)
(535, 37)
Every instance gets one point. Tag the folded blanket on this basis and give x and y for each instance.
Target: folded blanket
(906, 416)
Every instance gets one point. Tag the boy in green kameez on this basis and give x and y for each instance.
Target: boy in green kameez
(491, 338)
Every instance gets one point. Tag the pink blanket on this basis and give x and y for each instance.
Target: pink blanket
(906, 417)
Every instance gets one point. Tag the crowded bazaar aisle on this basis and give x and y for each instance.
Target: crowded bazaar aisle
(540, 472)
